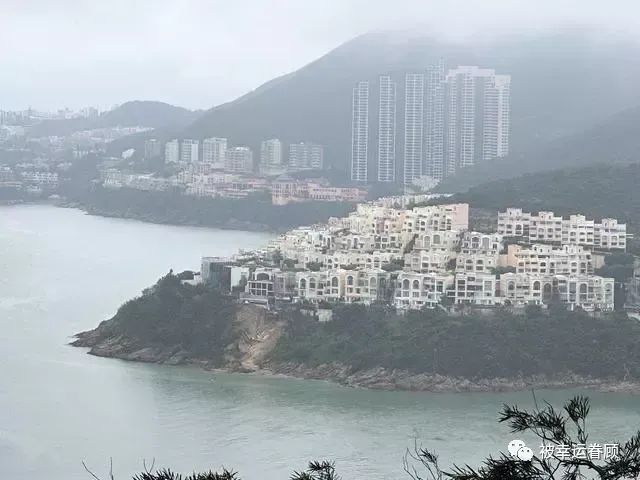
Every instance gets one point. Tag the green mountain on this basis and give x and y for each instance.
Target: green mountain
(614, 141)
(562, 83)
(130, 114)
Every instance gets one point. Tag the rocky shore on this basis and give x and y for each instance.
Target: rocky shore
(101, 344)
(385, 379)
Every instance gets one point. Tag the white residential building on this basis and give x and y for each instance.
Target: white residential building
(475, 288)
(306, 156)
(426, 261)
(413, 258)
(239, 160)
(514, 223)
(313, 285)
(152, 148)
(548, 260)
(172, 151)
(477, 262)
(589, 292)
(42, 179)
(271, 157)
(434, 122)
(413, 127)
(577, 230)
(610, 235)
(477, 113)
(502, 90)
(420, 290)
(213, 152)
(342, 259)
(437, 217)
(437, 241)
(360, 133)
(387, 130)
(476, 242)
(366, 286)
(189, 152)
(547, 227)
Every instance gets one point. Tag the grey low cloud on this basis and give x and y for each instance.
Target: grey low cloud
(199, 53)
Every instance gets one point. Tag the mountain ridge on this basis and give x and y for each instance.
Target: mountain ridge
(145, 113)
(559, 92)
(314, 102)
(615, 141)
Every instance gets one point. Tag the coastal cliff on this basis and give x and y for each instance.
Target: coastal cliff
(179, 324)
(254, 358)
(220, 335)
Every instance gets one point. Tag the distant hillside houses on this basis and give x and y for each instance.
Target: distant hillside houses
(199, 181)
(426, 257)
(546, 227)
(219, 154)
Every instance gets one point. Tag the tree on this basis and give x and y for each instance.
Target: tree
(314, 266)
(277, 257)
(394, 265)
(501, 270)
(169, 475)
(410, 244)
(317, 471)
(451, 264)
(555, 428)
(289, 264)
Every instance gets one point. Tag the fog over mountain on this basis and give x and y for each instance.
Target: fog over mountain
(559, 87)
(129, 114)
(200, 53)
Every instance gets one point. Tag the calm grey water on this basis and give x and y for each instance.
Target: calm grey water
(62, 272)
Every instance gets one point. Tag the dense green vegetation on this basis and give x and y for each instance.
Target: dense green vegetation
(170, 314)
(616, 140)
(597, 191)
(472, 346)
(254, 212)
(199, 321)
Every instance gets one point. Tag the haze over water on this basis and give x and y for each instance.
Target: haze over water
(62, 272)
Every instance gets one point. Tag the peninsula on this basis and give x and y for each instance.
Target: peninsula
(399, 296)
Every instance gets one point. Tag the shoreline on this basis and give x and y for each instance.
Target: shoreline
(227, 225)
(378, 378)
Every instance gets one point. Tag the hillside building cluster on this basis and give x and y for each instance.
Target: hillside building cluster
(212, 168)
(426, 256)
(446, 122)
(218, 154)
(34, 178)
(199, 181)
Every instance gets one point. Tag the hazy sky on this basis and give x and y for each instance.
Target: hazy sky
(199, 53)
